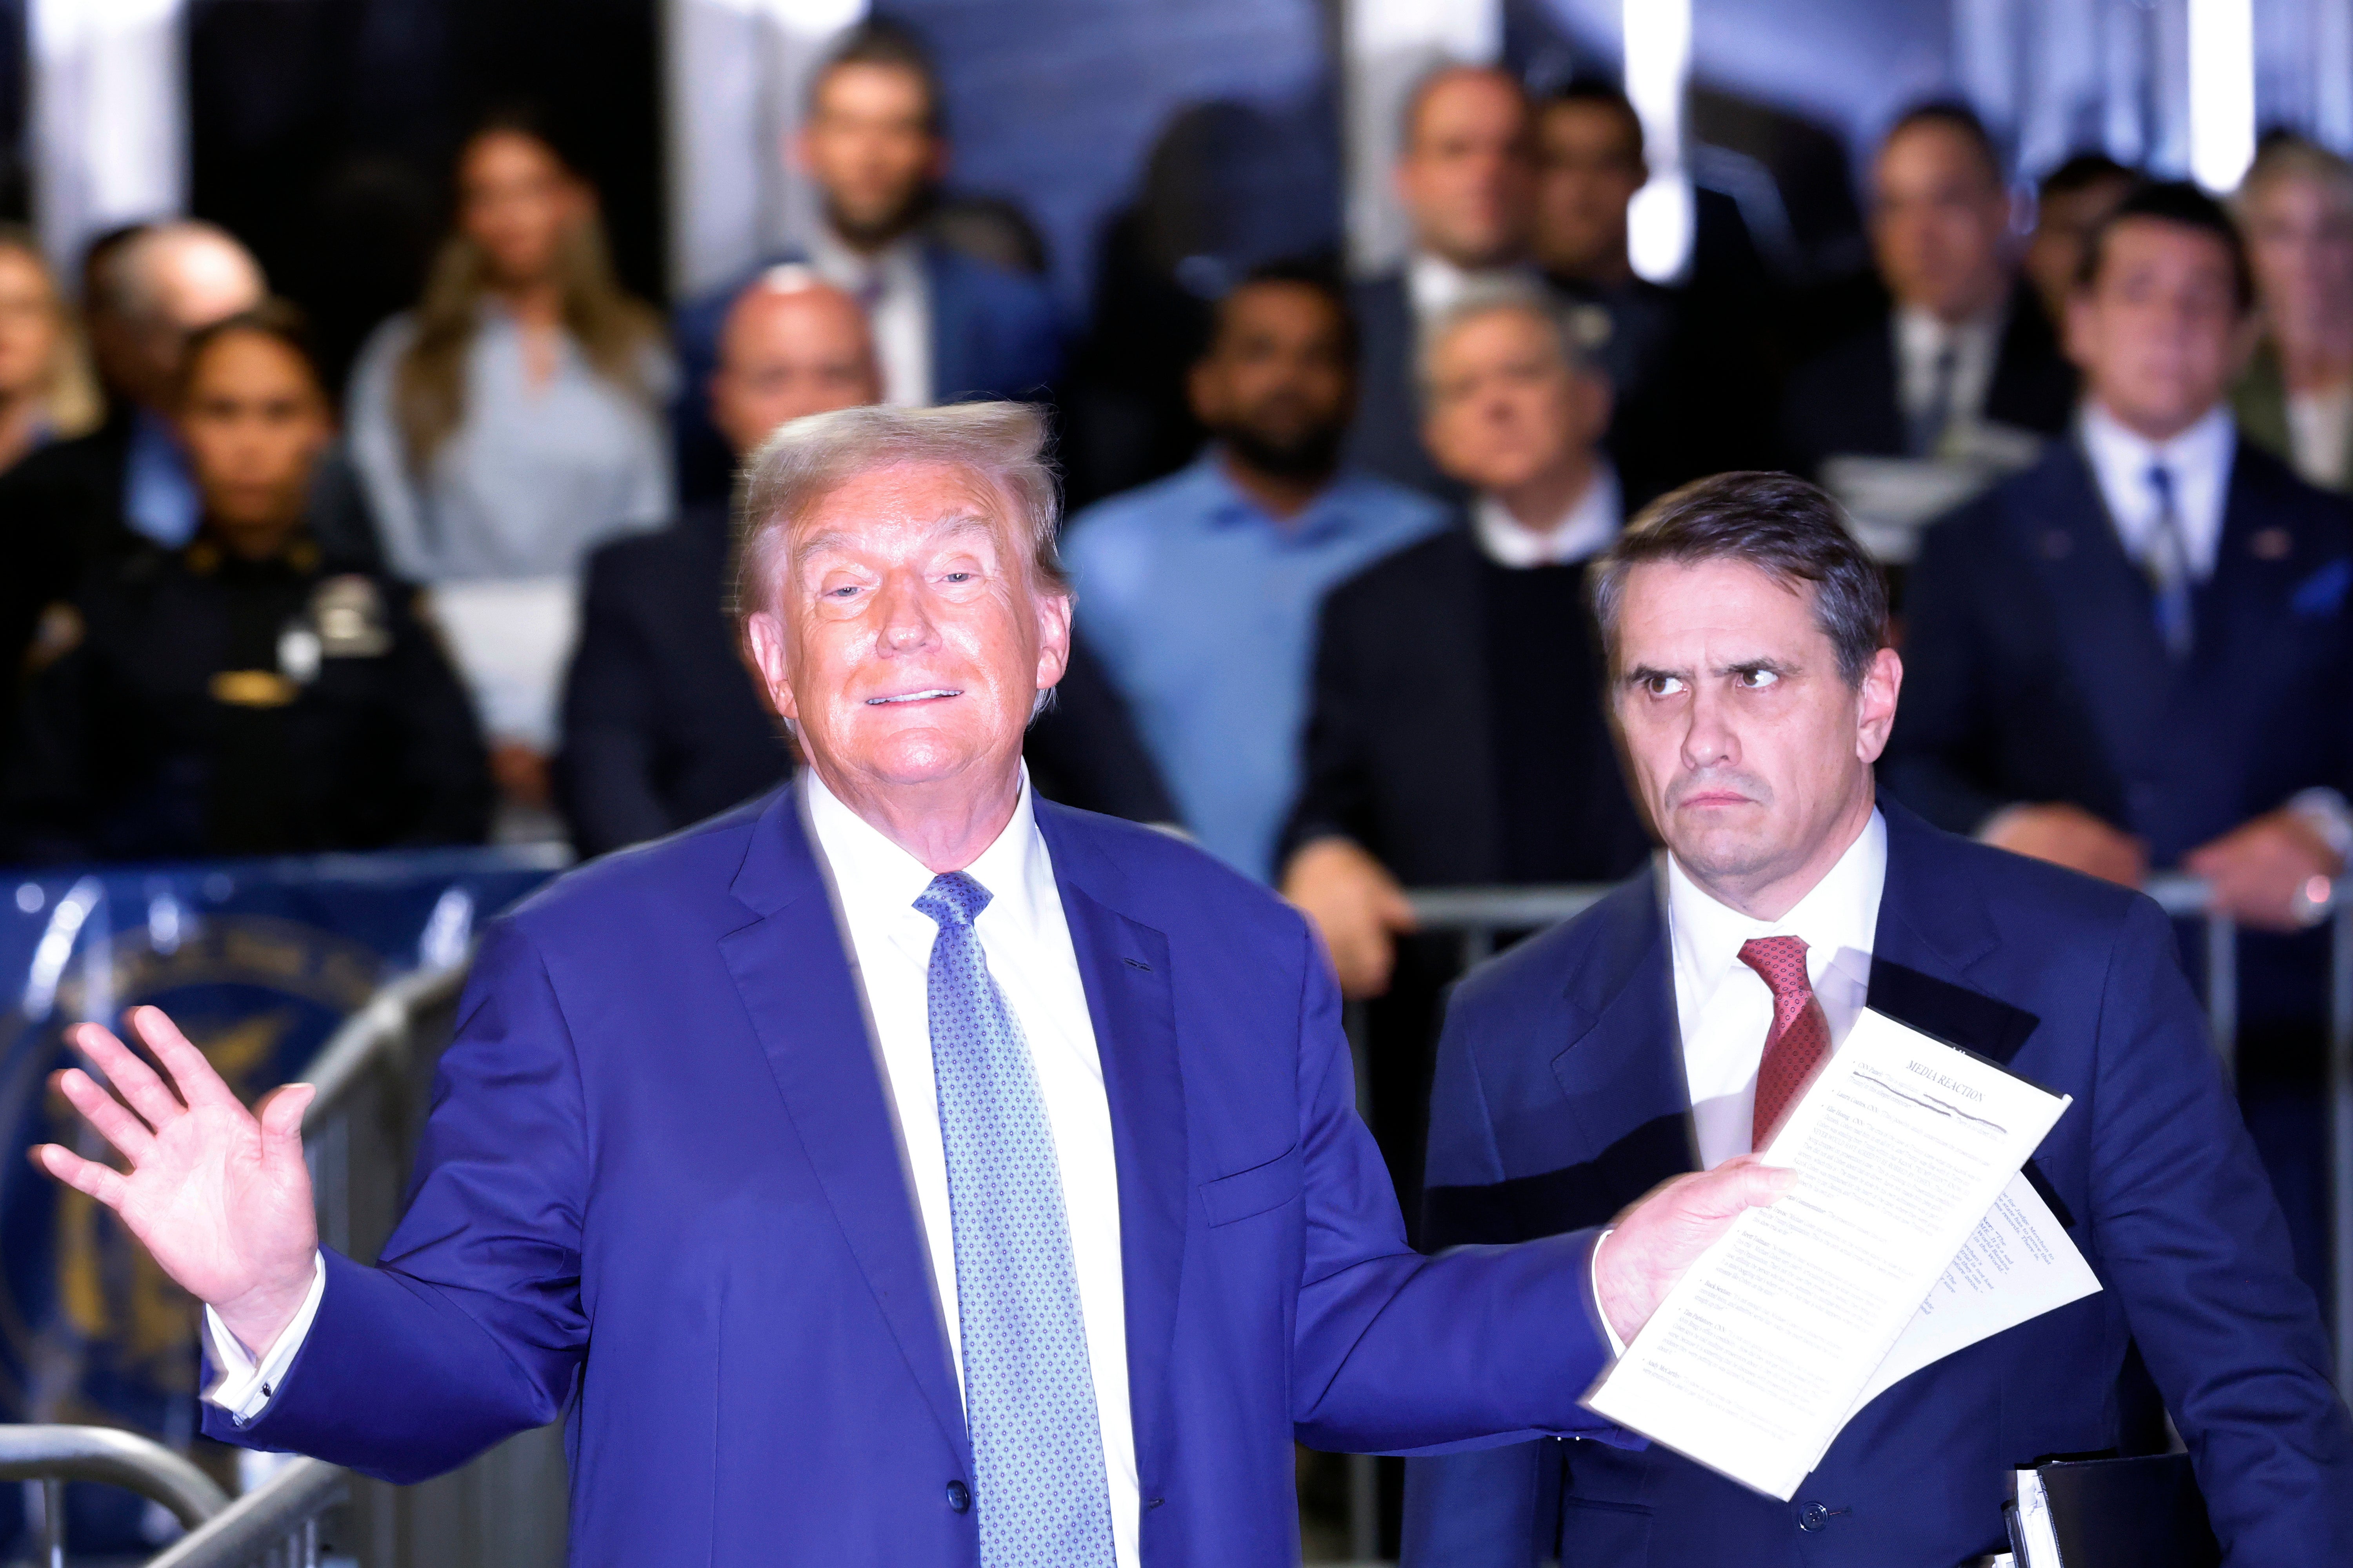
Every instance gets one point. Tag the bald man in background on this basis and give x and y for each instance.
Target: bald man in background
(662, 724)
(78, 503)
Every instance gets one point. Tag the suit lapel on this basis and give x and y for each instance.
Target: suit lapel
(1878, 401)
(795, 977)
(1622, 1069)
(2103, 615)
(2257, 563)
(1127, 970)
(951, 325)
(1933, 929)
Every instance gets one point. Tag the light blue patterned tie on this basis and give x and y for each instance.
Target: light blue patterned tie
(1029, 1393)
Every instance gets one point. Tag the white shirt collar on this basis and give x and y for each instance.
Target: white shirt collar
(1592, 522)
(1838, 920)
(1921, 336)
(877, 882)
(2200, 461)
(1432, 283)
(892, 267)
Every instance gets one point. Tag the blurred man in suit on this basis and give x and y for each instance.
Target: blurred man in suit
(80, 502)
(899, 1170)
(2070, 204)
(1752, 685)
(1679, 379)
(663, 724)
(1466, 180)
(1962, 341)
(1455, 734)
(1200, 590)
(2135, 654)
(946, 326)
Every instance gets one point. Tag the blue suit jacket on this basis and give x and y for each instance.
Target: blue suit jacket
(1561, 1097)
(661, 1194)
(994, 334)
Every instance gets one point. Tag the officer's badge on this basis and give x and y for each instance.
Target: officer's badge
(348, 613)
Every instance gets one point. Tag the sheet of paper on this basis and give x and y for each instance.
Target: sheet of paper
(1753, 1361)
(2016, 1266)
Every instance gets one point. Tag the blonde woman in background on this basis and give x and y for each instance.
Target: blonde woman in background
(506, 426)
(47, 391)
(2295, 207)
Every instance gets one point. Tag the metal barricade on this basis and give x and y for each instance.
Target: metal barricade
(53, 1456)
(275, 1525)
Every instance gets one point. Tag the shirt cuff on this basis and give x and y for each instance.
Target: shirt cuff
(2325, 812)
(1616, 1345)
(243, 1386)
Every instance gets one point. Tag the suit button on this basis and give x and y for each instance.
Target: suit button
(959, 1496)
(1813, 1515)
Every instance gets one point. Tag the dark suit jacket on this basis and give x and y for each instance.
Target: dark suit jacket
(1845, 400)
(661, 1196)
(663, 726)
(2034, 673)
(1385, 439)
(994, 334)
(1399, 741)
(1560, 1097)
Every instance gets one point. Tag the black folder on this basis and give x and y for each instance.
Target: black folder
(2121, 1513)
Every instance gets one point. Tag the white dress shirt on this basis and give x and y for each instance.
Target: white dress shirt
(1027, 941)
(1921, 338)
(1724, 1008)
(2200, 461)
(2318, 424)
(1588, 527)
(1432, 283)
(897, 295)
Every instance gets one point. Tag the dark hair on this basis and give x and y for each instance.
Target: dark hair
(2081, 172)
(1956, 117)
(1417, 97)
(281, 321)
(1599, 92)
(2184, 204)
(880, 41)
(1319, 278)
(1784, 527)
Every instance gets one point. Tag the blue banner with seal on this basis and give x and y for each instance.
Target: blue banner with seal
(259, 961)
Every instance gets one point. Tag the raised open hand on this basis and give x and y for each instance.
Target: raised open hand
(218, 1194)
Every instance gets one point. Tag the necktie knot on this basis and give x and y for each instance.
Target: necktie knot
(2160, 483)
(1780, 963)
(954, 900)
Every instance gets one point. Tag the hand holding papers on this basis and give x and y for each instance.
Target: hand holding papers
(1757, 1356)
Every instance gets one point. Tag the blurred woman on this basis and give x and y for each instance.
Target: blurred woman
(506, 426)
(46, 393)
(252, 692)
(2296, 397)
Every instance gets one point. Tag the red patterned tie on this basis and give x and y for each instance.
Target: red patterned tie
(1800, 1038)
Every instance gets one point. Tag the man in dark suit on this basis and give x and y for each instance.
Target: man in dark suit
(1455, 736)
(1963, 341)
(1465, 177)
(663, 725)
(898, 1170)
(1752, 685)
(1681, 372)
(947, 326)
(2135, 654)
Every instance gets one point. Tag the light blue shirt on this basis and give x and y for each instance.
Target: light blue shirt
(534, 477)
(1203, 609)
(158, 495)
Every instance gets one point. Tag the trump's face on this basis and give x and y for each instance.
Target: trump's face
(909, 643)
(1746, 746)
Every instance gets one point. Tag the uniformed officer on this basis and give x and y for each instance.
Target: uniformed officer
(248, 694)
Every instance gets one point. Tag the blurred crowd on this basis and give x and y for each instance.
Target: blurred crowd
(2101, 438)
